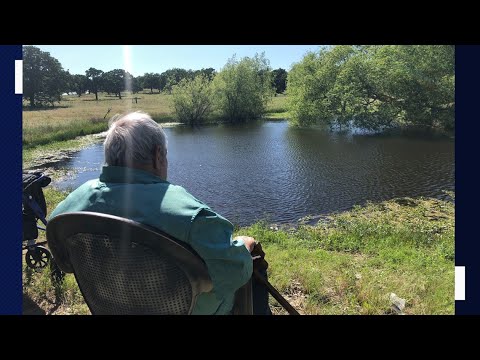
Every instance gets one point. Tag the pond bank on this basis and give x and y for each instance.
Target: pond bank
(350, 264)
(42, 157)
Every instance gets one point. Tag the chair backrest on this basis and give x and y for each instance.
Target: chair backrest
(124, 267)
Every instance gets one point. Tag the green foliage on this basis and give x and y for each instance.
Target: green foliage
(79, 84)
(137, 84)
(114, 81)
(152, 81)
(375, 87)
(350, 262)
(44, 79)
(243, 88)
(193, 100)
(95, 77)
(279, 80)
(172, 77)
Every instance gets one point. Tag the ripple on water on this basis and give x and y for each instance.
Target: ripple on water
(273, 172)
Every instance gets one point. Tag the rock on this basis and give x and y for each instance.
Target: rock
(398, 304)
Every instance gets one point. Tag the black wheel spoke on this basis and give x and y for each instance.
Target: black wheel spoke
(37, 257)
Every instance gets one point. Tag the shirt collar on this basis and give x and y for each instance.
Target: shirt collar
(119, 174)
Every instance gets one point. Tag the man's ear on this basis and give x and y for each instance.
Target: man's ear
(157, 157)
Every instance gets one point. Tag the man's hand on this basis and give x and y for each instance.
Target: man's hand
(258, 256)
(248, 241)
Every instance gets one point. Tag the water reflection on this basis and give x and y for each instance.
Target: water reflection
(270, 171)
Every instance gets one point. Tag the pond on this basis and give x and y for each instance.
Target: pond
(270, 171)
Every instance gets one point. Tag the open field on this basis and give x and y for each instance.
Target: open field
(77, 116)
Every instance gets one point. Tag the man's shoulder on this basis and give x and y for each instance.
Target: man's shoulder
(181, 191)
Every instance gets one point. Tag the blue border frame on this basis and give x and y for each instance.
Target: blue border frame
(467, 199)
(11, 168)
(467, 246)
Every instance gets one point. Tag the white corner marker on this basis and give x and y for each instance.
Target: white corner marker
(459, 282)
(19, 77)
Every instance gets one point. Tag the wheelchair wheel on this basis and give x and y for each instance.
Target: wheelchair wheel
(37, 257)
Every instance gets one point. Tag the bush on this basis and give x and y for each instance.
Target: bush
(243, 88)
(193, 100)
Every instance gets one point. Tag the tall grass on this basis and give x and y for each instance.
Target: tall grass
(277, 108)
(77, 116)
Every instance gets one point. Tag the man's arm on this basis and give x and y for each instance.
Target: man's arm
(228, 260)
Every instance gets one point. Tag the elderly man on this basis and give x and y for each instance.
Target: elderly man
(133, 184)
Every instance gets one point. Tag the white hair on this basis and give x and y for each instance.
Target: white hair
(132, 139)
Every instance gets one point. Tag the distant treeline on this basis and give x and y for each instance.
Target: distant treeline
(368, 86)
(45, 80)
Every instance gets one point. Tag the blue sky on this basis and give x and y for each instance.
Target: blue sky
(158, 58)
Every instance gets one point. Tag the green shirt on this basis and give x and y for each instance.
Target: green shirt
(141, 196)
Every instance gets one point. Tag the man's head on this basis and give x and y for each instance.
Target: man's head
(135, 140)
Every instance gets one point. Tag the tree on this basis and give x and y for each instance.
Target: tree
(243, 88)
(95, 77)
(79, 84)
(174, 76)
(374, 87)
(44, 79)
(193, 99)
(162, 82)
(137, 84)
(150, 81)
(114, 81)
(209, 73)
(279, 80)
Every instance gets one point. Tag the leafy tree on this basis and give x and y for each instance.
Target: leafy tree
(162, 82)
(279, 80)
(79, 84)
(174, 76)
(193, 99)
(44, 79)
(243, 88)
(137, 84)
(95, 77)
(114, 81)
(374, 87)
(151, 81)
(209, 73)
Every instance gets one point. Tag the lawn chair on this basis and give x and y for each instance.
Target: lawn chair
(123, 267)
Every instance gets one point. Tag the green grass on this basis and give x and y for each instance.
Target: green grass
(350, 264)
(78, 116)
(277, 108)
(63, 298)
(347, 264)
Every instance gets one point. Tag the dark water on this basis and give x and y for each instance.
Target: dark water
(270, 171)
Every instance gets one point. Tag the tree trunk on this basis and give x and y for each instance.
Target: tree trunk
(151, 90)
(96, 95)
(32, 101)
(120, 95)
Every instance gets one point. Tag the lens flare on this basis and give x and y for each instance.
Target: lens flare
(127, 66)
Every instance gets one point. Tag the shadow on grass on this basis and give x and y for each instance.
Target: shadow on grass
(109, 99)
(42, 108)
(30, 307)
